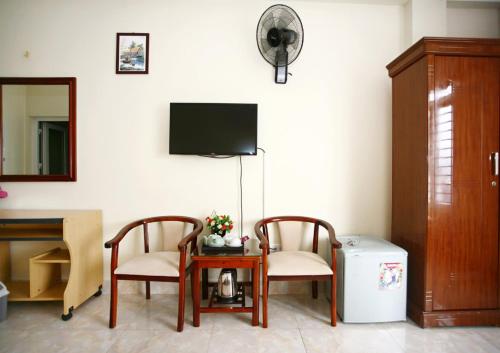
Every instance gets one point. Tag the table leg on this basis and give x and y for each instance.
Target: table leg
(255, 293)
(251, 281)
(204, 283)
(196, 294)
(243, 294)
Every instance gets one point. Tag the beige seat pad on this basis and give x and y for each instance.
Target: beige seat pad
(161, 263)
(296, 263)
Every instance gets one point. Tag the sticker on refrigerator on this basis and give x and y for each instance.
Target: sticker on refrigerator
(390, 275)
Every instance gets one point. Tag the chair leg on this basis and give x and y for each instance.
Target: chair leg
(195, 290)
(148, 290)
(333, 301)
(192, 286)
(315, 289)
(182, 293)
(265, 289)
(113, 301)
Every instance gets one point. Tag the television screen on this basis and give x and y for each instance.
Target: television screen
(213, 128)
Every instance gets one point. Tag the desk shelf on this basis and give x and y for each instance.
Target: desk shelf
(20, 292)
(55, 256)
(16, 230)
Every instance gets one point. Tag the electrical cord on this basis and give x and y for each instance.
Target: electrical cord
(241, 183)
(263, 181)
(241, 198)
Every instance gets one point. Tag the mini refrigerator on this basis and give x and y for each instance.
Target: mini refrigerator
(371, 280)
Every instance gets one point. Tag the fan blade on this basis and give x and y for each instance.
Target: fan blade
(271, 52)
(292, 56)
(271, 57)
(268, 21)
(266, 26)
(276, 20)
(264, 45)
(285, 19)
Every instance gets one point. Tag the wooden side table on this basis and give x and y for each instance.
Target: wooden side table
(244, 260)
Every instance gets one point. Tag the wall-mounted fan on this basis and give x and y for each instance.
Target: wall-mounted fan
(280, 37)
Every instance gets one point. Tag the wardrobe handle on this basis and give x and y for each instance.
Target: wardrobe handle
(494, 163)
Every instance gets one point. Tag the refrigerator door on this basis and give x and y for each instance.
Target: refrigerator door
(375, 288)
(371, 280)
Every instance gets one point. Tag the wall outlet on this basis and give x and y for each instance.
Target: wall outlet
(275, 247)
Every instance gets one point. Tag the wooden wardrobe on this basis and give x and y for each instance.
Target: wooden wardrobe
(445, 183)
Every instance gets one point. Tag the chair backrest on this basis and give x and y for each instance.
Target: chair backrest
(170, 234)
(292, 232)
(171, 230)
(291, 235)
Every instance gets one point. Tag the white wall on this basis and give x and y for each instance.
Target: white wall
(482, 21)
(13, 120)
(427, 18)
(327, 132)
(452, 18)
(45, 100)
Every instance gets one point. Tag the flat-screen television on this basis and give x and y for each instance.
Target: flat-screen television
(213, 128)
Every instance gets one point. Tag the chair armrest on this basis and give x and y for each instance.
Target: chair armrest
(331, 234)
(263, 243)
(121, 234)
(198, 227)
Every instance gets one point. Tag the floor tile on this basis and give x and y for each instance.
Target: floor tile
(447, 339)
(297, 323)
(349, 338)
(257, 340)
(57, 341)
(151, 341)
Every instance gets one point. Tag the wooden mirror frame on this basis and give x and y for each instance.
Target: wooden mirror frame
(71, 82)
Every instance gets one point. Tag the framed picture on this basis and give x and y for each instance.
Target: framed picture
(132, 53)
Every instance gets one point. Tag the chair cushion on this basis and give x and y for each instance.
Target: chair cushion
(161, 263)
(296, 263)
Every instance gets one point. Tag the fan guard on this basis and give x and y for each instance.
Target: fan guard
(280, 36)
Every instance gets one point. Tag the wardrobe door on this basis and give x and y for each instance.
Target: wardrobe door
(463, 188)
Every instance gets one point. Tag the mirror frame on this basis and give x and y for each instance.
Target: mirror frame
(71, 83)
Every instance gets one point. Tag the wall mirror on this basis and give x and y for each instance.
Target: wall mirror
(38, 129)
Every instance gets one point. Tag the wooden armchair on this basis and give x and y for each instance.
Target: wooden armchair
(297, 265)
(159, 266)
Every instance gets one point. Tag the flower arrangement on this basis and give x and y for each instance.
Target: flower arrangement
(219, 224)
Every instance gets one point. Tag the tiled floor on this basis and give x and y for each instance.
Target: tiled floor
(297, 324)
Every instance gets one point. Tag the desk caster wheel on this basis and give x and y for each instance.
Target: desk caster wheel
(99, 292)
(65, 317)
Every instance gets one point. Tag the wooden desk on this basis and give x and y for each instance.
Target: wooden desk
(246, 260)
(77, 241)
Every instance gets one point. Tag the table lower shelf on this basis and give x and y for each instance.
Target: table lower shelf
(20, 292)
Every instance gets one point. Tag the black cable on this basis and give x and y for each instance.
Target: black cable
(241, 198)
(241, 183)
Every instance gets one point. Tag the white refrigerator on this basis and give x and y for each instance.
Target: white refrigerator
(371, 280)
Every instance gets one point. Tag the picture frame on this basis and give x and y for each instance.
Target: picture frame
(132, 53)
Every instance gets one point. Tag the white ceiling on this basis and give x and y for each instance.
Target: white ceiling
(473, 3)
(373, 2)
